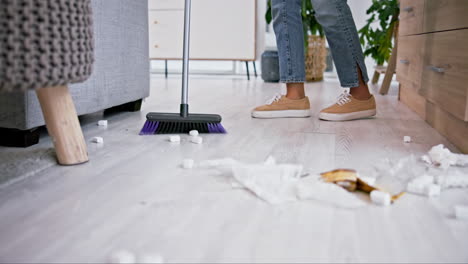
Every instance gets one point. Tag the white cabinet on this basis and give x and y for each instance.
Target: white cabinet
(221, 29)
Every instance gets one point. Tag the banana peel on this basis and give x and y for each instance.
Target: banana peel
(349, 180)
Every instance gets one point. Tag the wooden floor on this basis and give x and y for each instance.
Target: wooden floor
(132, 194)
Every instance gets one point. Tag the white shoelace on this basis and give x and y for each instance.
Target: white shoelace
(275, 98)
(344, 98)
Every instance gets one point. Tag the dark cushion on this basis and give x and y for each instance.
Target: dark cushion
(45, 43)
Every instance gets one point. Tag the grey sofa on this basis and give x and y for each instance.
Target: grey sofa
(120, 74)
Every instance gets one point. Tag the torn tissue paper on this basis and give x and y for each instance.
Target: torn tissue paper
(273, 183)
(442, 157)
(315, 189)
(280, 183)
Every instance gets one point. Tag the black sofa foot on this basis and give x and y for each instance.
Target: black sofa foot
(19, 138)
(134, 106)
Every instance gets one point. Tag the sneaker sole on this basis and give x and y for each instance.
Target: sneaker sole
(348, 116)
(281, 114)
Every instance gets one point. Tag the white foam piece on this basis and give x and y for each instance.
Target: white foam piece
(461, 212)
(174, 139)
(188, 163)
(196, 140)
(432, 190)
(102, 123)
(380, 198)
(407, 139)
(122, 257)
(369, 180)
(150, 259)
(194, 133)
(97, 140)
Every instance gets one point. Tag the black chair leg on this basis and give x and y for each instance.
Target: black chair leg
(165, 71)
(248, 71)
(255, 69)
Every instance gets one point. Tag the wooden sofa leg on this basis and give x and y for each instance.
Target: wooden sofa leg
(63, 125)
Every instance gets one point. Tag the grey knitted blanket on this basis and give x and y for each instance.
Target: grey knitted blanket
(44, 43)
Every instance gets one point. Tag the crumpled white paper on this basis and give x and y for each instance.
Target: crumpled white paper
(281, 183)
(442, 157)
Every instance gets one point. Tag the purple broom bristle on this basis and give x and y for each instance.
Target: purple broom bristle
(216, 128)
(149, 128)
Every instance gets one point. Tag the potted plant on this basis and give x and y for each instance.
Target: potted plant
(314, 41)
(377, 35)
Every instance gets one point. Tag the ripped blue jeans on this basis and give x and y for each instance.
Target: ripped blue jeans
(338, 23)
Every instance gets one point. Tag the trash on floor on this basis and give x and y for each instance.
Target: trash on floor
(122, 257)
(407, 139)
(280, 183)
(102, 123)
(318, 190)
(442, 157)
(380, 198)
(174, 139)
(196, 140)
(349, 180)
(97, 140)
(194, 133)
(461, 212)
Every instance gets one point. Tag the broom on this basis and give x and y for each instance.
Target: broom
(183, 122)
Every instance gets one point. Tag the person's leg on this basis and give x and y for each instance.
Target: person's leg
(287, 23)
(337, 21)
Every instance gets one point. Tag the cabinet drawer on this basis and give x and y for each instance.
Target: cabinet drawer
(410, 57)
(411, 17)
(166, 30)
(165, 4)
(442, 15)
(411, 98)
(445, 71)
(448, 125)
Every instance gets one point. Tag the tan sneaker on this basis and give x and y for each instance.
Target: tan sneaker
(349, 108)
(282, 107)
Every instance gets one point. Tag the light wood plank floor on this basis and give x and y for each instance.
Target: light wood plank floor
(132, 194)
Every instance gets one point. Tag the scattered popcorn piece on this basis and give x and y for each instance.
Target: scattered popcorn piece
(380, 198)
(102, 123)
(407, 139)
(122, 257)
(194, 133)
(432, 190)
(174, 138)
(97, 140)
(151, 259)
(196, 140)
(188, 163)
(461, 212)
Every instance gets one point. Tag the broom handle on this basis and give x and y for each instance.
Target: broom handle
(185, 71)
